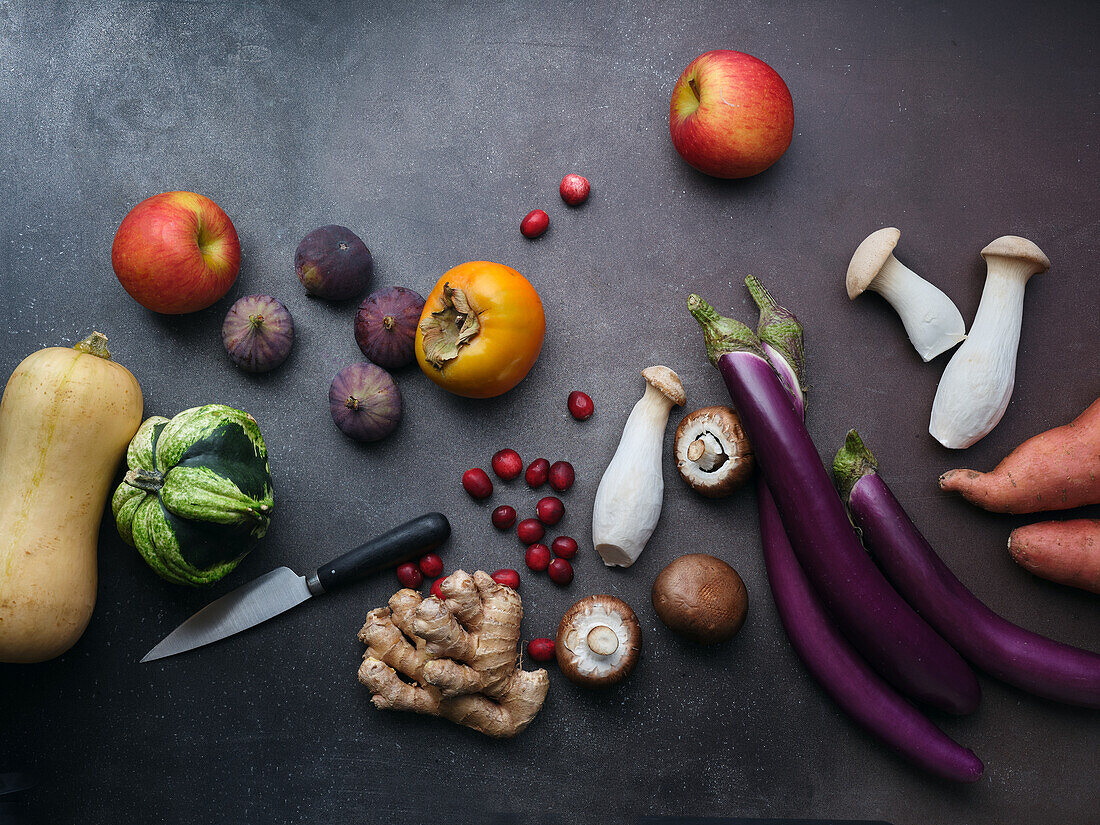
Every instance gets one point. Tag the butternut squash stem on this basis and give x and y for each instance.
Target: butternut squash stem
(95, 344)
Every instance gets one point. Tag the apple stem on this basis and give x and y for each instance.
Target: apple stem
(694, 88)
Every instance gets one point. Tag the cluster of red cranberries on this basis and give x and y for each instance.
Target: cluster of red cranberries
(574, 191)
(507, 465)
(412, 575)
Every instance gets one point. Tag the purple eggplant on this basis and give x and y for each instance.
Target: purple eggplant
(842, 672)
(365, 402)
(900, 645)
(1002, 649)
(827, 655)
(780, 334)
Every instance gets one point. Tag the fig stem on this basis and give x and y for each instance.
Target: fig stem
(352, 403)
(255, 321)
(388, 322)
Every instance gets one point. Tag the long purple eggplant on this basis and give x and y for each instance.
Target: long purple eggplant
(1027, 660)
(900, 645)
(831, 660)
(842, 672)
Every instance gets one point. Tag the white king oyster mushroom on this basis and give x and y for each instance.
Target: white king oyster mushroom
(977, 384)
(931, 319)
(628, 501)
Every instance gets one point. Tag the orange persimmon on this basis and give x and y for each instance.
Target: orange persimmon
(481, 330)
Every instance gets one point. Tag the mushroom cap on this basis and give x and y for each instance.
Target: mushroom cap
(668, 382)
(724, 425)
(1013, 246)
(868, 259)
(578, 661)
(700, 598)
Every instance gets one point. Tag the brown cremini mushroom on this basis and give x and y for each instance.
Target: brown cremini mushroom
(599, 640)
(700, 598)
(712, 452)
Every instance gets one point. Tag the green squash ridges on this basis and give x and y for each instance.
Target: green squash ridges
(216, 498)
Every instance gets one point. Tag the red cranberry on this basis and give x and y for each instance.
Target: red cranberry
(574, 189)
(564, 547)
(534, 224)
(537, 472)
(561, 572)
(476, 482)
(504, 517)
(507, 464)
(561, 476)
(550, 510)
(530, 530)
(409, 575)
(431, 565)
(541, 650)
(437, 590)
(507, 577)
(537, 557)
(580, 406)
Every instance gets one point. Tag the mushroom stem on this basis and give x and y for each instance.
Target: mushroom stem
(602, 640)
(706, 451)
(931, 319)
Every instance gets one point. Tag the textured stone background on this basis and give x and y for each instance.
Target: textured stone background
(431, 129)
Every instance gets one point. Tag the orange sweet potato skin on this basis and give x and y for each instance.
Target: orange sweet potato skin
(1067, 552)
(1055, 470)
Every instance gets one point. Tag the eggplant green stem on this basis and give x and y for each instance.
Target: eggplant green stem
(853, 461)
(722, 335)
(95, 344)
(780, 329)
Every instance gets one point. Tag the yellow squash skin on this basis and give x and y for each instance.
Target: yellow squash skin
(66, 419)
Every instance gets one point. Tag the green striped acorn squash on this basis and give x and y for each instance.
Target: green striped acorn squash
(197, 495)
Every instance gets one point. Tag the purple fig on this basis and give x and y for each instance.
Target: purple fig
(385, 326)
(332, 262)
(258, 333)
(365, 402)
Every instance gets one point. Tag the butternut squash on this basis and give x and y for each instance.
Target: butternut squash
(66, 418)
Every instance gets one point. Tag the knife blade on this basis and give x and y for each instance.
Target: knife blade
(282, 589)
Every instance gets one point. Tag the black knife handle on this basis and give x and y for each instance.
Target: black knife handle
(407, 541)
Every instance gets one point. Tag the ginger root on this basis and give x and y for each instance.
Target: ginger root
(459, 657)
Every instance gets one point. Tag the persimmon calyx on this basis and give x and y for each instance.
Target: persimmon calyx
(449, 329)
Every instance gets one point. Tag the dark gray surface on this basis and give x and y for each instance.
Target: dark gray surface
(431, 131)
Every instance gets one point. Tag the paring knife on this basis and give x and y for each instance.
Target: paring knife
(282, 588)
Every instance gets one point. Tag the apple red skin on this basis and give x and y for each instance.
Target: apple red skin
(741, 122)
(176, 252)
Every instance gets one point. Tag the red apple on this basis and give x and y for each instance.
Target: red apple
(731, 114)
(176, 252)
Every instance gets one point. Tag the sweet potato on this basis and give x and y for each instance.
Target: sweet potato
(1067, 552)
(1055, 470)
